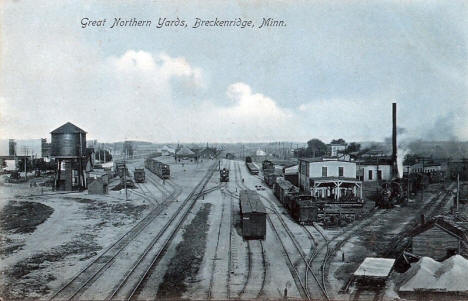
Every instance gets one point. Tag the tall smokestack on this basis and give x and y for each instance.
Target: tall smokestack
(394, 141)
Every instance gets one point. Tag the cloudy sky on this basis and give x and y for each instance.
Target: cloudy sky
(332, 71)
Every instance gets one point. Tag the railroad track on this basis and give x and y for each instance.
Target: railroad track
(258, 245)
(76, 285)
(155, 182)
(301, 284)
(213, 267)
(139, 274)
(147, 196)
(231, 227)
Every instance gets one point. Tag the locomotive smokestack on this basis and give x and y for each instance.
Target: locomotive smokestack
(394, 140)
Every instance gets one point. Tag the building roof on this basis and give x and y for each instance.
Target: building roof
(333, 179)
(291, 170)
(250, 202)
(383, 160)
(324, 159)
(184, 151)
(68, 128)
(375, 267)
(450, 226)
(338, 144)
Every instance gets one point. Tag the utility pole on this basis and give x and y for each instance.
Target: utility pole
(125, 174)
(458, 190)
(25, 164)
(422, 195)
(407, 185)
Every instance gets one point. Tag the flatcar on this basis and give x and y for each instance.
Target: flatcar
(253, 215)
(224, 175)
(160, 169)
(139, 175)
(253, 169)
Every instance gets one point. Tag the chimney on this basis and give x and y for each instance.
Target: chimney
(394, 141)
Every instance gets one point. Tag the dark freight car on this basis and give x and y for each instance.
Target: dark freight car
(283, 190)
(303, 209)
(253, 215)
(139, 175)
(270, 178)
(158, 168)
(267, 165)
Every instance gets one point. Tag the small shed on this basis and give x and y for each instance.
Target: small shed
(439, 238)
(373, 271)
(97, 186)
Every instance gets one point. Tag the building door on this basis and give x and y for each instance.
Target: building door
(370, 175)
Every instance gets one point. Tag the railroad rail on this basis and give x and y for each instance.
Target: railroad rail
(237, 173)
(210, 288)
(96, 267)
(189, 202)
(302, 286)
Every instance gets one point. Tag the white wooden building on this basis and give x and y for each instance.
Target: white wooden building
(335, 148)
(329, 178)
(374, 169)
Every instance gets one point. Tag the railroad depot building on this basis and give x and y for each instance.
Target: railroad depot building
(329, 178)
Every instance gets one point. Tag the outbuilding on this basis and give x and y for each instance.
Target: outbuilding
(373, 271)
(439, 238)
(97, 186)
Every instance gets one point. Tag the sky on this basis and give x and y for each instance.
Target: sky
(331, 72)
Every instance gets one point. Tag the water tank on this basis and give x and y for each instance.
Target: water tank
(68, 141)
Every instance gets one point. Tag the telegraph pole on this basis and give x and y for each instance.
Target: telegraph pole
(458, 190)
(125, 174)
(25, 164)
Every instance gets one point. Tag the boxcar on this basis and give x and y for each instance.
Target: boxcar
(283, 189)
(303, 209)
(139, 175)
(270, 178)
(224, 175)
(253, 215)
(268, 165)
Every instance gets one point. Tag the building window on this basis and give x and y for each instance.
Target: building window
(340, 171)
(370, 174)
(379, 174)
(324, 171)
